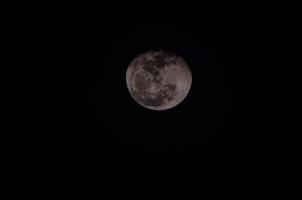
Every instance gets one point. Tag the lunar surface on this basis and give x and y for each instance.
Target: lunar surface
(158, 80)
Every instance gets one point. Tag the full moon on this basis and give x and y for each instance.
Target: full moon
(158, 80)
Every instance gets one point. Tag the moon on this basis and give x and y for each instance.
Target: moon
(158, 80)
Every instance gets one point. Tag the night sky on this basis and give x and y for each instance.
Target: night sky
(96, 142)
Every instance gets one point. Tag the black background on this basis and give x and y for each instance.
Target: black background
(96, 142)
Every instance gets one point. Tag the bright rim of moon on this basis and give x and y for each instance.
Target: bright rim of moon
(158, 80)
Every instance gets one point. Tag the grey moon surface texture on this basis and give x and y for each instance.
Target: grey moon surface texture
(158, 80)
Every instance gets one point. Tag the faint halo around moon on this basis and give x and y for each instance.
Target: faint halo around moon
(158, 80)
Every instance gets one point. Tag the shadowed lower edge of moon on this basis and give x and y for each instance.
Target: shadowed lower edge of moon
(162, 100)
(158, 103)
